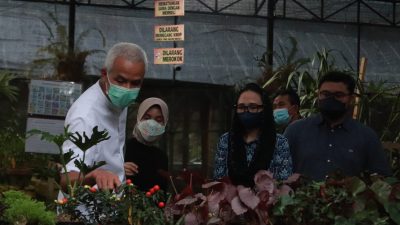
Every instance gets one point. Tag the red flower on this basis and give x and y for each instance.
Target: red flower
(148, 194)
(152, 190)
(128, 181)
(161, 205)
(92, 189)
(156, 188)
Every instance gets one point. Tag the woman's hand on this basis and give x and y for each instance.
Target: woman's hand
(130, 168)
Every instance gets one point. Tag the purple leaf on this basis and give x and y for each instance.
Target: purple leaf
(237, 206)
(213, 208)
(263, 217)
(214, 220)
(210, 184)
(264, 181)
(200, 196)
(230, 192)
(264, 199)
(186, 201)
(213, 201)
(190, 219)
(248, 197)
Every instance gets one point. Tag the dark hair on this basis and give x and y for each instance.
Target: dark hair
(338, 76)
(294, 99)
(238, 169)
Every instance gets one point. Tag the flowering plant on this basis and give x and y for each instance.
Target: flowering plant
(126, 205)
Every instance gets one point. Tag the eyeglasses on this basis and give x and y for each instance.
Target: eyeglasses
(253, 108)
(337, 95)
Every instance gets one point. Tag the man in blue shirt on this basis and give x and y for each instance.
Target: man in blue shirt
(332, 140)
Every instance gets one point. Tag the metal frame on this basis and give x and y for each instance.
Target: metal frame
(315, 15)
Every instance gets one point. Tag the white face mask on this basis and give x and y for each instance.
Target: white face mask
(150, 130)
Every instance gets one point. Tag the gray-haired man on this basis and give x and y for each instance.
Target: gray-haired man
(105, 105)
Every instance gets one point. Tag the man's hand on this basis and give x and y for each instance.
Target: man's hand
(104, 179)
(130, 168)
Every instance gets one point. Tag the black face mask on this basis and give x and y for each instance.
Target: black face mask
(251, 120)
(331, 109)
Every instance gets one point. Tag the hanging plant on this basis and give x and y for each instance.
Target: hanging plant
(67, 65)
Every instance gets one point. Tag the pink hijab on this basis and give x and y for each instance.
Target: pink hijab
(143, 107)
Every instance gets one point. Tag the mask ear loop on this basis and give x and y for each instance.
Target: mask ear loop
(107, 84)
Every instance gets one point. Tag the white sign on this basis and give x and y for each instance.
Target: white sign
(168, 55)
(169, 32)
(34, 144)
(169, 8)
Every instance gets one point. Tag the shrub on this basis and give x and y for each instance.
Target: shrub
(20, 208)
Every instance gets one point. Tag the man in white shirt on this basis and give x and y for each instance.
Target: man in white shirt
(104, 105)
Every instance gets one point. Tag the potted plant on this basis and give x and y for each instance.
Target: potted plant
(127, 205)
(368, 199)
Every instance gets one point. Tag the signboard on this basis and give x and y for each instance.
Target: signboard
(169, 8)
(169, 32)
(34, 144)
(52, 98)
(168, 55)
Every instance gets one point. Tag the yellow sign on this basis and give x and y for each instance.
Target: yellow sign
(169, 8)
(168, 55)
(169, 33)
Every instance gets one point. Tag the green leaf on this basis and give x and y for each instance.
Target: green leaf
(394, 211)
(355, 185)
(359, 204)
(68, 156)
(280, 206)
(340, 220)
(46, 136)
(382, 191)
(85, 143)
(6, 89)
(85, 169)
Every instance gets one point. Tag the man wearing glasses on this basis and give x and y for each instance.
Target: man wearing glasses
(331, 140)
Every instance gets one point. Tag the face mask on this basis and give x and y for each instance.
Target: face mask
(120, 96)
(281, 116)
(251, 120)
(331, 109)
(150, 130)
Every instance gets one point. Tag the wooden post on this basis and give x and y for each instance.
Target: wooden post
(361, 77)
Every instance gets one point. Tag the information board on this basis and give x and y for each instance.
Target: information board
(169, 8)
(168, 55)
(169, 32)
(52, 98)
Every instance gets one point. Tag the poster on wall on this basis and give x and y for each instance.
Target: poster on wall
(169, 32)
(168, 55)
(34, 144)
(169, 8)
(52, 98)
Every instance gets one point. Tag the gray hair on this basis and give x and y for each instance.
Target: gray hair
(129, 51)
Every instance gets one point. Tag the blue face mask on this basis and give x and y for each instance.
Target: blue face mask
(120, 96)
(251, 120)
(281, 116)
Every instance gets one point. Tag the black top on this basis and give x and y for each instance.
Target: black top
(150, 160)
(351, 147)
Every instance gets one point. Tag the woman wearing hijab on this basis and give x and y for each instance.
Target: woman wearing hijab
(252, 144)
(145, 163)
